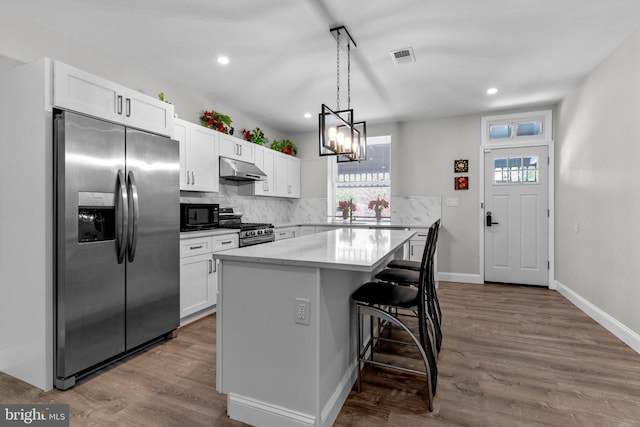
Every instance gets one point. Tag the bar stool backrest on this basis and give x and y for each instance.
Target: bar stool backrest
(424, 281)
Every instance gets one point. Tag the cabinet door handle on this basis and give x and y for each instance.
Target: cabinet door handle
(188, 179)
(193, 178)
(119, 104)
(128, 104)
(195, 247)
(411, 247)
(226, 242)
(210, 266)
(215, 268)
(240, 146)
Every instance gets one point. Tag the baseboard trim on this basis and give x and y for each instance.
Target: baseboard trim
(460, 277)
(335, 403)
(614, 326)
(197, 316)
(257, 413)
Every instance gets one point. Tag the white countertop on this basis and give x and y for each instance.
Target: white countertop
(360, 223)
(343, 249)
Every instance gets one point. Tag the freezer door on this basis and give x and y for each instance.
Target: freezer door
(90, 283)
(153, 261)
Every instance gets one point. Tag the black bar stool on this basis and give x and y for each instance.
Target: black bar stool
(376, 298)
(405, 272)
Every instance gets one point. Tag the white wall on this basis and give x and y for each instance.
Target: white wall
(597, 152)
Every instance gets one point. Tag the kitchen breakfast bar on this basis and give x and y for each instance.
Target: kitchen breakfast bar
(286, 329)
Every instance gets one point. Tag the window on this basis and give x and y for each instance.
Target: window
(516, 170)
(365, 181)
(521, 127)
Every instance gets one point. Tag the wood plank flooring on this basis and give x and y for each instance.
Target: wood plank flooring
(511, 356)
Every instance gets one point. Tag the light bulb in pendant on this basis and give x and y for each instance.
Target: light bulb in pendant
(340, 139)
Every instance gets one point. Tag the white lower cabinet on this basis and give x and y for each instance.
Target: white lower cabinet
(199, 274)
(305, 230)
(284, 233)
(416, 245)
(197, 284)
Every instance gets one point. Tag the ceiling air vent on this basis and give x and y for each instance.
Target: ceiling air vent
(403, 56)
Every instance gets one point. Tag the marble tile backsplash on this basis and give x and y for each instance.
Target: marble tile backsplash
(415, 209)
(404, 210)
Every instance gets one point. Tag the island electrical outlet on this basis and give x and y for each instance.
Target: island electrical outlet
(302, 311)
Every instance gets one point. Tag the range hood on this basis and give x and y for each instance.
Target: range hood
(237, 170)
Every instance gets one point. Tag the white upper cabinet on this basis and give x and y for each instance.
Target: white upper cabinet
(287, 176)
(198, 157)
(264, 159)
(236, 148)
(80, 91)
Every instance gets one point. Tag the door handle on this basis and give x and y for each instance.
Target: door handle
(489, 220)
(193, 178)
(135, 213)
(122, 215)
(188, 179)
(119, 102)
(128, 105)
(210, 266)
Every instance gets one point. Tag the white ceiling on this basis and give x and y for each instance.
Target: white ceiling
(283, 57)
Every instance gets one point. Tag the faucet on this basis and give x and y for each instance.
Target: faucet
(350, 210)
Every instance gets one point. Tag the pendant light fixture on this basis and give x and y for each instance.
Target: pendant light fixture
(339, 135)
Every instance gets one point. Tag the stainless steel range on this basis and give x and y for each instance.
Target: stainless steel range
(251, 233)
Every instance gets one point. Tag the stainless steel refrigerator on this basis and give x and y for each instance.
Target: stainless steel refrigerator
(117, 242)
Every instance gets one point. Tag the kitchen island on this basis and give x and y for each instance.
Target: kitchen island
(286, 331)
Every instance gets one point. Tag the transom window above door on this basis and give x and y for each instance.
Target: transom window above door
(521, 127)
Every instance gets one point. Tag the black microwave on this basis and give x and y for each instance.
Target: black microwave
(198, 216)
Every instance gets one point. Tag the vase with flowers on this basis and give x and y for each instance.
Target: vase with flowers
(378, 205)
(346, 206)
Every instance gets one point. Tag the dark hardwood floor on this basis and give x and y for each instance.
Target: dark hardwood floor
(511, 356)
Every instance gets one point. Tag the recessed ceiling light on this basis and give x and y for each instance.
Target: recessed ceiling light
(223, 60)
(307, 115)
(492, 91)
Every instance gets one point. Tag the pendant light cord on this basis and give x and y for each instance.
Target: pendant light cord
(348, 75)
(338, 70)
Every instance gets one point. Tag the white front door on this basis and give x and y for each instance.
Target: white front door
(516, 220)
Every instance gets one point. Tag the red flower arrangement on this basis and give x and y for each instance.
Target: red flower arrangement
(214, 120)
(377, 205)
(256, 136)
(344, 206)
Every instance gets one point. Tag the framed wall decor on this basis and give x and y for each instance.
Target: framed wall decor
(461, 182)
(461, 166)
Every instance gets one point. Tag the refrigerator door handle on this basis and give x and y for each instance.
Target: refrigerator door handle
(132, 230)
(122, 215)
